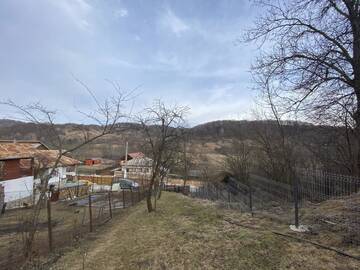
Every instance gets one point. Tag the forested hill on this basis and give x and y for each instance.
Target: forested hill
(112, 146)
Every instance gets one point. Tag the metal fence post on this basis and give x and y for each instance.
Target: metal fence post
(296, 200)
(229, 197)
(90, 214)
(110, 210)
(49, 225)
(250, 198)
(132, 197)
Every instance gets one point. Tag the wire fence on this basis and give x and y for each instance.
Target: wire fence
(285, 201)
(61, 224)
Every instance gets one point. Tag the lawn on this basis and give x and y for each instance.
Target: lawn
(192, 234)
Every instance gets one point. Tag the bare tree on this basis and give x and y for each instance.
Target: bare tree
(186, 158)
(277, 140)
(162, 126)
(106, 115)
(314, 59)
(238, 162)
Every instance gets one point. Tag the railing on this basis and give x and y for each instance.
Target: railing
(61, 223)
(260, 193)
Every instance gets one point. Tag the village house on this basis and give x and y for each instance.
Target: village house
(21, 165)
(137, 168)
(131, 156)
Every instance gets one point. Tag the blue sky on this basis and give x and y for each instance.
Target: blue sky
(182, 52)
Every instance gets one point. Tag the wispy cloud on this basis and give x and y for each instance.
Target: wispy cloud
(76, 10)
(170, 21)
(121, 13)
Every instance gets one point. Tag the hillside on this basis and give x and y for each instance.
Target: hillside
(208, 141)
(209, 137)
(191, 234)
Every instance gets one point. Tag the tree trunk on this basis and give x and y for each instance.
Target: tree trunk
(149, 194)
(355, 24)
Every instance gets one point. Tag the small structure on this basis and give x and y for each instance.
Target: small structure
(98, 161)
(92, 161)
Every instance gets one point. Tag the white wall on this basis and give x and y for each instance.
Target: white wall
(60, 174)
(18, 188)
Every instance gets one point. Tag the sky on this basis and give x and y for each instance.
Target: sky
(183, 52)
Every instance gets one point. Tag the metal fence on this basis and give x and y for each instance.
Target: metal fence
(62, 223)
(285, 201)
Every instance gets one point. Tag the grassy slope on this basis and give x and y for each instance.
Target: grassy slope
(190, 234)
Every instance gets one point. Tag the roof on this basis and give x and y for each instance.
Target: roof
(134, 155)
(21, 150)
(140, 162)
(15, 150)
(47, 158)
(33, 144)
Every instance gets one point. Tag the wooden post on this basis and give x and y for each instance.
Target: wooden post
(49, 225)
(110, 210)
(123, 197)
(90, 214)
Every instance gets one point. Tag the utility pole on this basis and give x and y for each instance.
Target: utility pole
(126, 157)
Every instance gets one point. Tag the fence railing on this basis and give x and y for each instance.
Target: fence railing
(318, 185)
(61, 223)
(260, 193)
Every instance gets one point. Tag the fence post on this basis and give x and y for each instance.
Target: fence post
(138, 194)
(90, 214)
(123, 197)
(49, 225)
(110, 210)
(132, 197)
(250, 199)
(296, 200)
(229, 197)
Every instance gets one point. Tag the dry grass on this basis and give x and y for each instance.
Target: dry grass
(191, 234)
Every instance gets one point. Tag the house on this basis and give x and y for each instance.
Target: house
(140, 167)
(21, 165)
(131, 156)
(16, 180)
